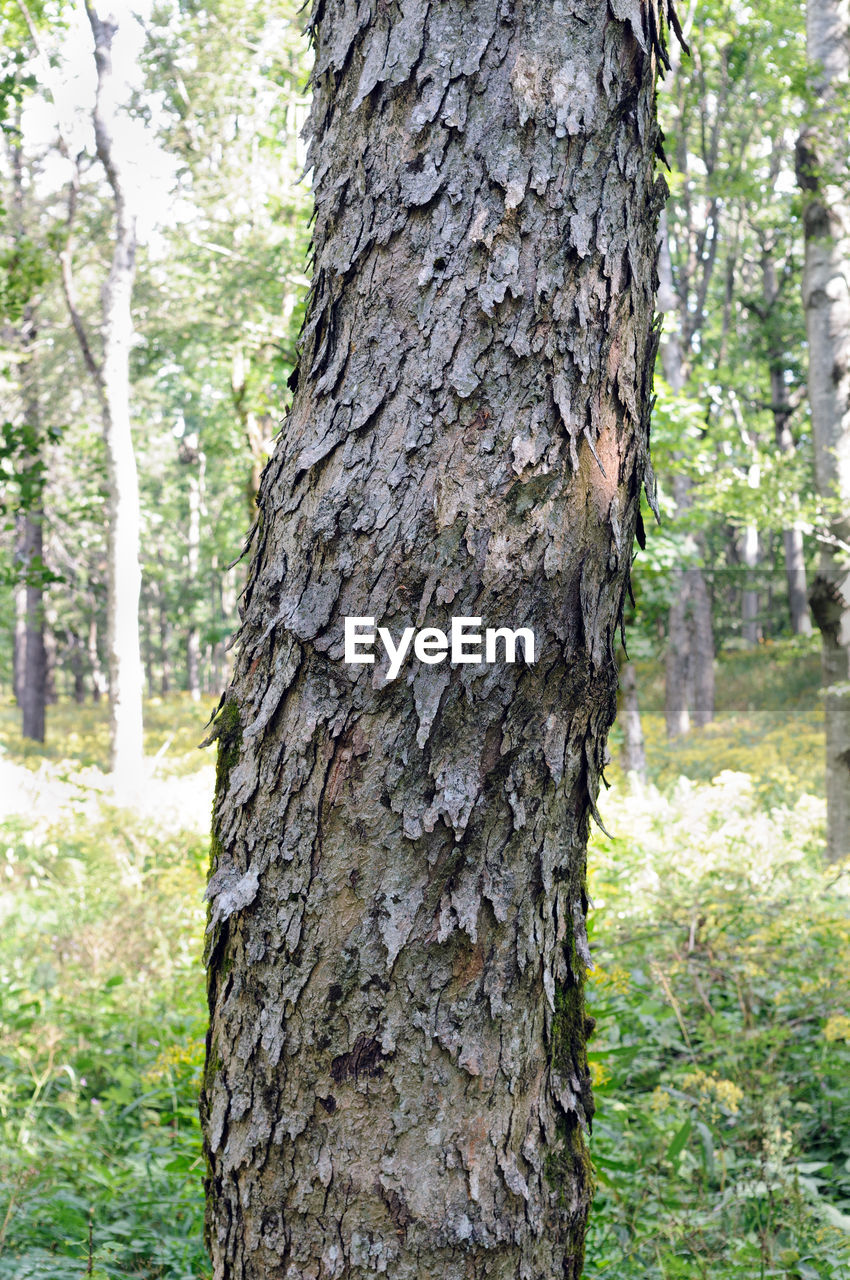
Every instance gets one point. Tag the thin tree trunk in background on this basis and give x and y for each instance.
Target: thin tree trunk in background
(164, 649)
(749, 555)
(822, 172)
(33, 695)
(676, 714)
(634, 754)
(677, 717)
(112, 378)
(98, 680)
(31, 658)
(148, 647)
(689, 658)
(77, 665)
(223, 592)
(19, 653)
(195, 462)
(125, 581)
(258, 428)
(34, 669)
(792, 538)
(396, 1076)
(50, 660)
(701, 648)
(795, 572)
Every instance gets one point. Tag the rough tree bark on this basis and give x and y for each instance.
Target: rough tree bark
(822, 173)
(396, 1078)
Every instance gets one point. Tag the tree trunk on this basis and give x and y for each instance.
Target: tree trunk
(223, 601)
(826, 296)
(164, 649)
(689, 660)
(112, 378)
(192, 456)
(701, 648)
(396, 1079)
(147, 648)
(30, 654)
(795, 573)
(677, 716)
(634, 755)
(749, 554)
(75, 659)
(33, 692)
(125, 579)
(259, 428)
(792, 538)
(19, 653)
(98, 680)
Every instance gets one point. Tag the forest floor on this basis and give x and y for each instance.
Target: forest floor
(721, 990)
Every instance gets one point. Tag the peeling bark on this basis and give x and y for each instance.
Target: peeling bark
(821, 168)
(396, 1077)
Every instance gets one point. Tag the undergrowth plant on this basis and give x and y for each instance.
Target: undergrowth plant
(721, 1058)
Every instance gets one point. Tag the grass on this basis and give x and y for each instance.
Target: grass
(722, 1053)
(101, 1005)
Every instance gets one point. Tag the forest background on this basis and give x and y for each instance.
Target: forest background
(722, 944)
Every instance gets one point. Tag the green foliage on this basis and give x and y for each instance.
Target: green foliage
(722, 1135)
(721, 1143)
(102, 1014)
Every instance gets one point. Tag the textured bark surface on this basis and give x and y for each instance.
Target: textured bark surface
(689, 660)
(822, 171)
(396, 1078)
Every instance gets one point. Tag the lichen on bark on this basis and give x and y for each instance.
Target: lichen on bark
(398, 898)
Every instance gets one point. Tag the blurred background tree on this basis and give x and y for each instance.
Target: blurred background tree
(213, 102)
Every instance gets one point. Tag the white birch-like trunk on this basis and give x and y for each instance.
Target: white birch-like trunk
(822, 172)
(124, 579)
